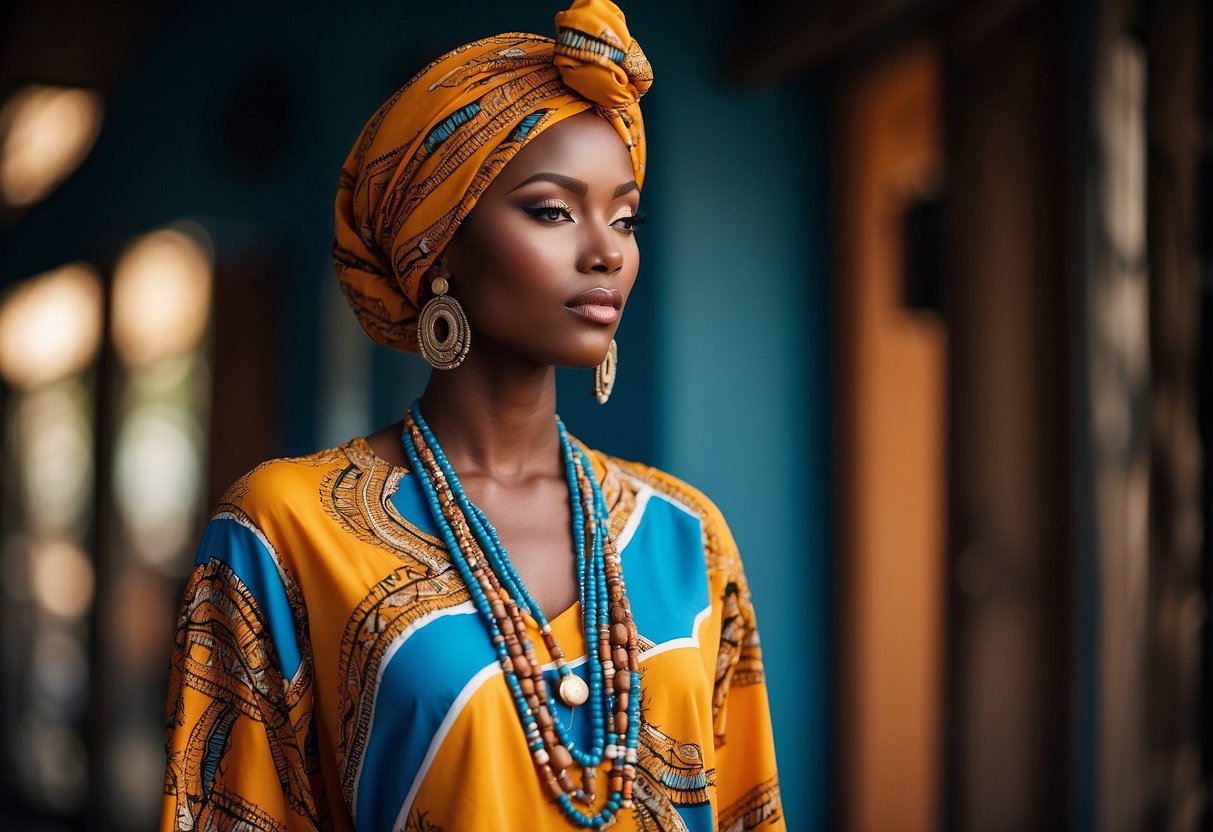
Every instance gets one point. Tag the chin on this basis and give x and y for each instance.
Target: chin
(578, 357)
(580, 361)
(579, 348)
(591, 354)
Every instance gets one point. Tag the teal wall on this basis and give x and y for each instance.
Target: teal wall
(723, 366)
(743, 371)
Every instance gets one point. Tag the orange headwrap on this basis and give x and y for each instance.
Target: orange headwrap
(432, 149)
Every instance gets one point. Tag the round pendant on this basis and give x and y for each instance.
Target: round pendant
(573, 691)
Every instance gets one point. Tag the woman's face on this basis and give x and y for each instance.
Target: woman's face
(544, 263)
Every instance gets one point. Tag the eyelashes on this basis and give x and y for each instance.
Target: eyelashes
(550, 211)
(555, 212)
(633, 222)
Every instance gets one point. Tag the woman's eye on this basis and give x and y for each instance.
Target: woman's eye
(630, 224)
(550, 213)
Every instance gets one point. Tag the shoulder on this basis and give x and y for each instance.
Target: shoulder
(267, 521)
(641, 479)
(284, 485)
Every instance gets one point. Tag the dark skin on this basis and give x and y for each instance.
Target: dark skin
(554, 225)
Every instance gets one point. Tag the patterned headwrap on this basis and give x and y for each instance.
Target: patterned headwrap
(432, 149)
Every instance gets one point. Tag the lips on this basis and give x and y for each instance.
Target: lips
(598, 305)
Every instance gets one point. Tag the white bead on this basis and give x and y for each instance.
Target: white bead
(573, 691)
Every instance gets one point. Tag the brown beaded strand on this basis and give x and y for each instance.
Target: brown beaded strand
(554, 760)
(509, 621)
(617, 647)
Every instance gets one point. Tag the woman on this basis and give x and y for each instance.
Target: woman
(430, 628)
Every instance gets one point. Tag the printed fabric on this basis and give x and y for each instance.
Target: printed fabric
(330, 672)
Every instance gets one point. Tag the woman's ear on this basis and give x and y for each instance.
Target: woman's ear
(438, 268)
(437, 280)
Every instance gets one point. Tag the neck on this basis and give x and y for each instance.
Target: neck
(495, 417)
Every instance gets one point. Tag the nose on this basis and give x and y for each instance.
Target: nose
(602, 253)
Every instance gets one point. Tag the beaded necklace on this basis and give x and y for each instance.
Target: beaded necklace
(613, 694)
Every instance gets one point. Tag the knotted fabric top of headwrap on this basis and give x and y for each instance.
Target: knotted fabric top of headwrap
(432, 149)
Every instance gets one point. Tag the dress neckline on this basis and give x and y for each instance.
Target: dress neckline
(364, 456)
(567, 623)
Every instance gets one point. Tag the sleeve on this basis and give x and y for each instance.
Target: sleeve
(239, 732)
(746, 775)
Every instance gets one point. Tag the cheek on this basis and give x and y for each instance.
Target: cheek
(509, 276)
(631, 272)
(507, 245)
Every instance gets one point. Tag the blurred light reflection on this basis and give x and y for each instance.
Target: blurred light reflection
(162, 293)
(54, 437)
(157, 476)
(61, 577)
(45, 133)
(50, 326)
(60, 670)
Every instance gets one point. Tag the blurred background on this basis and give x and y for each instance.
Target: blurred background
(926, 306)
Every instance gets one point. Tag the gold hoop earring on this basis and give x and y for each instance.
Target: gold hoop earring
(604, 374)
(442, 330)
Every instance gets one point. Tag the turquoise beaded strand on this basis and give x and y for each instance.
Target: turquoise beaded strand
(483, 563)
(490, 544)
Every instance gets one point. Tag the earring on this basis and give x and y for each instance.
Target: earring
(604, 374)
(442, 330)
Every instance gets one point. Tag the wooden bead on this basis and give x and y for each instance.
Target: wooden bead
(616, 615)
(552, 784)
(527, 685)
(619, 634)
(544, 716)
(621, 724)
(623, 682)
(623, 701)
(561, 758)
(522, 666)
(620, 657)
(616, 782)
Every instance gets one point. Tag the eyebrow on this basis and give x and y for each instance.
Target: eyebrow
(574, 185)
(625, 188)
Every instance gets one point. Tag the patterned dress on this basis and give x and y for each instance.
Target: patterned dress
(330, 671)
